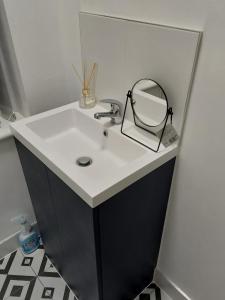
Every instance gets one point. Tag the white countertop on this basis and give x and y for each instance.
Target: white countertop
(93, 185)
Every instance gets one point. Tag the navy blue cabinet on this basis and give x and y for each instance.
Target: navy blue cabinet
(109, 252)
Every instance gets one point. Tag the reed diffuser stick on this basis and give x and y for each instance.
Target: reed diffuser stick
(91, 75)
(78, 75)
(85, 87)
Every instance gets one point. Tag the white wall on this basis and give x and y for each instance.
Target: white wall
(126, 48)
(46, 39)
(11, 98)
(14, 196)
(190, 14)
(193, 251)
(45, 36)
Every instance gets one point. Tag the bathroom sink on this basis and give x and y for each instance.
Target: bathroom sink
(61, 136)
(73, 134)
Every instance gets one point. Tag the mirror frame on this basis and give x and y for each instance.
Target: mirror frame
(169, 112)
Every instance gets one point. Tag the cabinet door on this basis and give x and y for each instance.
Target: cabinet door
(38, 185)
(76, 233)
(131, 225)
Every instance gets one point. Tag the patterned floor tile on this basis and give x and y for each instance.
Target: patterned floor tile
(16, 276)
(6, 262)
(152, 292)
(34, 260)
(34, 277)
(53, 283)
(55, 288)
(21, 265)
(2, 280)
(19, 289)
(47, 269)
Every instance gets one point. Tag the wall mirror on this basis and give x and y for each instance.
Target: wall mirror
(150, 112)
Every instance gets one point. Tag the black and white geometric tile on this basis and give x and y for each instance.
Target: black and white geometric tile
(152, 292)
(33, 277)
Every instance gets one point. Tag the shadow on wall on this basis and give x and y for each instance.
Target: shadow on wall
(11, 93)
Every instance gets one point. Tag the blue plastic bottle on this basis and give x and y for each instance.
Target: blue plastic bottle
(28, 238)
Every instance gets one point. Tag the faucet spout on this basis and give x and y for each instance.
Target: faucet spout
(100, 115)
(115, 113)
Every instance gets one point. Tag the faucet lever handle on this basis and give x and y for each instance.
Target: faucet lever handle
(115, 104)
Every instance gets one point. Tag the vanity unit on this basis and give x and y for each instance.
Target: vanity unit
(101, 224)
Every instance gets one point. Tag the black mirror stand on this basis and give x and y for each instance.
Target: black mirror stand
(168, 113)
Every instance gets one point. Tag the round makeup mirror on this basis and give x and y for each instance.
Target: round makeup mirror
(149, 103)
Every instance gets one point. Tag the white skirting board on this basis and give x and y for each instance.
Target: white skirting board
(169, 287)
(11, 243)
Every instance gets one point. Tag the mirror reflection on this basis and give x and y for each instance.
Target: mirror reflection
(149, 102)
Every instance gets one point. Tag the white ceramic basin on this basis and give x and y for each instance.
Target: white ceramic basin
(60, 136)
(73, 134)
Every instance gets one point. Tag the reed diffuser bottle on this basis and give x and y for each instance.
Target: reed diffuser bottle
(87, 99)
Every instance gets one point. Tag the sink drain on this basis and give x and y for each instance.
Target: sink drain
(84, 161)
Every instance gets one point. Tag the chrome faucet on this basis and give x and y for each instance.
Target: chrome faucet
(115, 113)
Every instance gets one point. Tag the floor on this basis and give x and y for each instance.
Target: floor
(33, 277)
